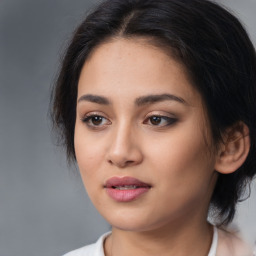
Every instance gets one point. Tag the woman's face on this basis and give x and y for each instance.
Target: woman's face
(142, 142)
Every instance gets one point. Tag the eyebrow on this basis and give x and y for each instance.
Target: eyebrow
(95, 99)
(141, 101)
(151, 99)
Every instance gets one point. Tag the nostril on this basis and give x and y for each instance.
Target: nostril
(121, 163)
(129, 162)
(110, 162)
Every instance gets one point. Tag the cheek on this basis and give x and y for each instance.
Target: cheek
(88, 153)
(184, 172)
(183, 158)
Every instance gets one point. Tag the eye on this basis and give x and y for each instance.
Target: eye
(159, 120)
(95, 121)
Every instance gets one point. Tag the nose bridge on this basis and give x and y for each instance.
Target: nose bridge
(124, 149)
(122, 138)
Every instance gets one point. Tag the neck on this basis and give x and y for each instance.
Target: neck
(184, 239)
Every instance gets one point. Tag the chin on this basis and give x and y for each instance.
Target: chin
(124, 220)
(133, 222)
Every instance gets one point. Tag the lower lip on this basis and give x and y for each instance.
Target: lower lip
(126, 195)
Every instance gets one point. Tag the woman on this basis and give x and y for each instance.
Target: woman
(156, 103)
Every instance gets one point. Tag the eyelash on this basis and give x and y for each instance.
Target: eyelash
(88, 120)
(168, 120)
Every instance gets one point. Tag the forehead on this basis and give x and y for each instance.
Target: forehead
(124, 66)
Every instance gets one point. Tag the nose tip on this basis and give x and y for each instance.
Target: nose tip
(124, 151)
(124, 159)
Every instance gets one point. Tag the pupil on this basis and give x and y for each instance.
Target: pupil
(156, 120)
(97, 120)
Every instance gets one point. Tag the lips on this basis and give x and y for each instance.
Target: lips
(125, 189)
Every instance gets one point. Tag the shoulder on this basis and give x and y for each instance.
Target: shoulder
(95, 249)
(229, 244)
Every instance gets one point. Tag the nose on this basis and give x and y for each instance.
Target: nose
(125, 148)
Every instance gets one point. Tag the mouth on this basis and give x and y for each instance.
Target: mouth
(125, 183)
(125, 189)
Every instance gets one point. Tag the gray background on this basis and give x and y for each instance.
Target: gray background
(44, 210)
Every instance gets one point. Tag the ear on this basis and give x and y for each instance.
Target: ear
(234, 149)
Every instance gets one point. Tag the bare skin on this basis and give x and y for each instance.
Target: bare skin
(164, 142)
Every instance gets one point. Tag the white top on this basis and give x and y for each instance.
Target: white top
(95, 249)
(213, 248)
(223, 244)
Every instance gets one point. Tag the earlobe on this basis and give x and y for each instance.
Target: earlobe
(234, 149)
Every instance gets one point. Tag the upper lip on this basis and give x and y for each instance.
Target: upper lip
(125, 181)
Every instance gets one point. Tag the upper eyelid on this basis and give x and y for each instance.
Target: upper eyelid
(95, 113)
(160, 114)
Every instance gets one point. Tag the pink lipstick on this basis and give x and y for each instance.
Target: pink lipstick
(125, 189)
